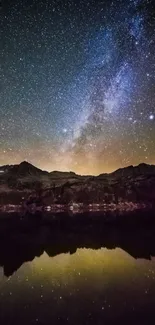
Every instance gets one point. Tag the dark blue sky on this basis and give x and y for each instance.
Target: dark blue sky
(77, 84)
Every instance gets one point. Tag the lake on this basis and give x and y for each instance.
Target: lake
(79, 277)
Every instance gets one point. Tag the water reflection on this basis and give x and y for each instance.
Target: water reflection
(87, 276)
(23, 247)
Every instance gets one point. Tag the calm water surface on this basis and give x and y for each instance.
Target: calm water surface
(86, 286)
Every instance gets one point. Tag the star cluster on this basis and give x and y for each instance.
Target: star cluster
(77, 84)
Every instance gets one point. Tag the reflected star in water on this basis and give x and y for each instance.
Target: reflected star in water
(95, 294)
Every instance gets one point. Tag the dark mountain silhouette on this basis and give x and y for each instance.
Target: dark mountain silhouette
(25, 168)
(131, 171)
(22, 169)
(133, 183)
(59, 174)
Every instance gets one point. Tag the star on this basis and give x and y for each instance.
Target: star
(64, 130)
(151, 117)
(77, 83)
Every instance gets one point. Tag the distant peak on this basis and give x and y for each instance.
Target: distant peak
(25, 163)
(62, 172)
(143, 165)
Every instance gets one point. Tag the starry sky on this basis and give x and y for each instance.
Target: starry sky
(77, 88)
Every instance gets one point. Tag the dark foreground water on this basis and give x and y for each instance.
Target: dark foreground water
(78, 277)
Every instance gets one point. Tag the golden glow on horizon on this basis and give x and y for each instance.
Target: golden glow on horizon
(88, 169)
(82, 165)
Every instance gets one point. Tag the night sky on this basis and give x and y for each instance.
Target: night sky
(77, 84)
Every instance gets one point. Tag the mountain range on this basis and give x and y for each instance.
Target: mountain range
(132, 183)
(25, 169)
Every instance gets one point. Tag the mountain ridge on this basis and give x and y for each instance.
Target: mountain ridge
(128, 184)
(26, 165)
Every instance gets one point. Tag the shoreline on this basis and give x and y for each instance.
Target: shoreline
(75, 207)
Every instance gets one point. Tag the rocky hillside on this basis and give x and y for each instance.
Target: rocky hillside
(136, 184)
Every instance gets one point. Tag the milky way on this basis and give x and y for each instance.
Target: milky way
(77, 84)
